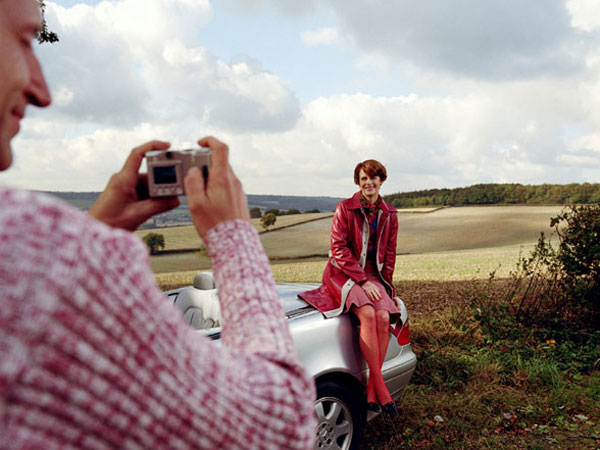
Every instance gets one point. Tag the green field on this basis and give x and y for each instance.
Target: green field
(443, 244)
(437, 266)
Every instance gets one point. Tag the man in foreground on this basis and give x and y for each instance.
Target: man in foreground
(91, 353)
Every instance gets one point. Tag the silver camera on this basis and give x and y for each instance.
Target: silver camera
(167, 169)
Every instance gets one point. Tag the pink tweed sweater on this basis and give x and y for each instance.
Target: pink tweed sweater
(93, 356)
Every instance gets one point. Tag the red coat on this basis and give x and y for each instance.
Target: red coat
(348, 254)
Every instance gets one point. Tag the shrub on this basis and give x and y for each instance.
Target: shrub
(579, 256)
(154, 241)
(268, 220)
(255, 213)
(545, 318)
(273, 211)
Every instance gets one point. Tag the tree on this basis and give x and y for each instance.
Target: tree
(273, 211)
(154, 241)
(44, 35)
(268, 220)
(255, 213)
(293, 211)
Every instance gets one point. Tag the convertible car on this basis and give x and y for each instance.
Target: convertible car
(328, 348)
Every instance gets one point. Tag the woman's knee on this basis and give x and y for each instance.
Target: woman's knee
(383, 319)
(366, 314)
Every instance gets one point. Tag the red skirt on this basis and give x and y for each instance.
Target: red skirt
(358, 298)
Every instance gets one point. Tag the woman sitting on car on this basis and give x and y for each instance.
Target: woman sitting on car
(358, 275)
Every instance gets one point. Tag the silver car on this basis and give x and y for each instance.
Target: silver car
(328, 348)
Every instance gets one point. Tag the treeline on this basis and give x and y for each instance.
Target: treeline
(499, 194)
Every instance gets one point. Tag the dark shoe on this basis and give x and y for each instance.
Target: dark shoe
(374, 407)
(390, 408)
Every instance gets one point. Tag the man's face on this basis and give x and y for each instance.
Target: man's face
(21, 78)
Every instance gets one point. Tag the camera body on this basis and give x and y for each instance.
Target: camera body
(167, 169)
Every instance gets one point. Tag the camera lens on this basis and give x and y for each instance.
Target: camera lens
(169, 155)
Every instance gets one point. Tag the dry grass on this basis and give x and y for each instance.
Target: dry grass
(472, 227)
(468, 393)
(186, 237)
(440, 230)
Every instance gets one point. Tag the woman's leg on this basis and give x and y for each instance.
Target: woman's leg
(383, 333)
(369, 345)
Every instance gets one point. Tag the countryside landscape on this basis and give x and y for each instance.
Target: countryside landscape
(484, 380)
(501, 279)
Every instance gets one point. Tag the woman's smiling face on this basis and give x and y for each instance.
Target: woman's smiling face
(369, 186)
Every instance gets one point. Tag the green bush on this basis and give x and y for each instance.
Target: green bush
(154, 241)
(273, 211)
(267, 220)
(579, 257)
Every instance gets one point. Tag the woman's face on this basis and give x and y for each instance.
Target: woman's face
(369, 186)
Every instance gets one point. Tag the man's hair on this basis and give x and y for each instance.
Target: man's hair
(372, 168)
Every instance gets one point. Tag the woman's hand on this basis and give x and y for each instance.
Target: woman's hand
(371, 290)
(120, 205)
(221, 198)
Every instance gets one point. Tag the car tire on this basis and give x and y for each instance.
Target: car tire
(339, 417)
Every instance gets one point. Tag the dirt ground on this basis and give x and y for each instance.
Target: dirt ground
(426, 297)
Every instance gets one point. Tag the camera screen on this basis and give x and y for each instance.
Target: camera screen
(165, 175)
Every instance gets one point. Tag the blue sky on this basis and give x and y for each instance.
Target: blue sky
(445, 94)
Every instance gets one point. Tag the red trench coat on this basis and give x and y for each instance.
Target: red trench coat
(348, 254)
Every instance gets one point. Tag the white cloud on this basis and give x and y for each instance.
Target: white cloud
(486, 136)
(287, 7)
(81, 163)
(585, 14)
(321, 36)
(124, 62)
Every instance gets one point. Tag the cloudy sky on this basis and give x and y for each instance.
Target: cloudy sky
(444, 93)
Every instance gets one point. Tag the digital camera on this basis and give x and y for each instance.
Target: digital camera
(167, 169)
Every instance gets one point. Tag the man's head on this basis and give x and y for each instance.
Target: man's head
(21, 78)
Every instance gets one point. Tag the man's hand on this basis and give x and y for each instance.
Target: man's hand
(120, 205)
(221, 198)
(371, 290)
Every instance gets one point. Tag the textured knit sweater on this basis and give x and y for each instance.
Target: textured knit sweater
(93, 355)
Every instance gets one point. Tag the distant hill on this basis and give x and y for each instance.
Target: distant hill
(499, 194)
(180, 216)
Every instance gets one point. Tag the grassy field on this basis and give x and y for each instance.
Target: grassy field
(532, 391)
(439, 266)
(495, 235)
(441, 230)
(185, 237)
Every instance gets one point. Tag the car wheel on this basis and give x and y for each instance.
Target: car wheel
(339, 417)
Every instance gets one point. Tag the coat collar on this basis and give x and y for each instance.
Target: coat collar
(354, 203)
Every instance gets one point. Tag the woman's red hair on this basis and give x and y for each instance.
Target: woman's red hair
(372, 168)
